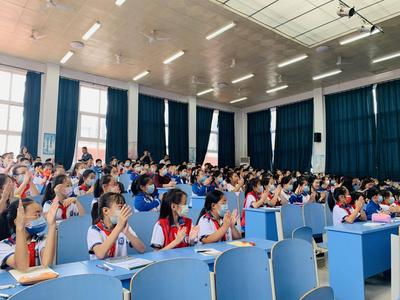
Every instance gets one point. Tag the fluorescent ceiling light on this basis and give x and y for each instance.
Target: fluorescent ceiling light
(238, 100)
(91, 31)
(173, 57)
(66, 57)
(327, 74)
(358, 37)
(278, 88)
(220, 30)
(242, 78)
(141, 75)
(386, 57)
(119, 2)
(293, 60)
(205, 92)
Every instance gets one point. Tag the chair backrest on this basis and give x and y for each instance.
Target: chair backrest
(37, 198)
(125, 179)
(129, 199)
(292, 218)
(303, 233)
(323, 292)
(232, 274)
(86, 201)
(314, 217)
(294, 268)
(241, 202)
(40, 188)
(232, 200)
(143, 223)
(194, 215)
(186, 278)
(328, 215)
(187, 188)
(72, 239)
(77, 287)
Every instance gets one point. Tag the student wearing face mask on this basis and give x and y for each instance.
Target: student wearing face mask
(287, 188)
(24, 185)
(60, 190)
(373, 206)
(161, 180)
(342, 211)
(77, 172)
(6, 197)
(201, 183)
(216, 223)
(127, 166)
(135, 173)
(7, 163)
(110, 235)
(86, 183)
(181, 177)
(302, 192)
(234, 183)
(389, 202)
(146, 196)
(33, 238)
(98, 168)
(218, 181)
(174, 229)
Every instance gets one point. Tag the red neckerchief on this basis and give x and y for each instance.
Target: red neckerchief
(111, 252)
(83, 187)
(243, 217)
(31, 251)
(23, 193)
(216, 224)
(170, 232)
(345, 207)
(63, 211)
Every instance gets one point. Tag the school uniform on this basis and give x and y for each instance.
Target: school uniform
(372, 208)
(81, 190)
(179, 179)
(285, 196)
(340, 212)
(159, 180)
(248, 203)
(164, 233)
(35, 246)
(63, 213)
(145, 202)
(208, 225)
(98, 233)
(201, 190)
(134, 176)
(299, 199)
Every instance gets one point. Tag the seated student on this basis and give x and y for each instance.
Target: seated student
(389, 203)
(161, 180)
(111, 234)
(127, 166)
(234, 183)
(58, 170)
(106, 184)
(181, 177)
(60, 190)
(286, 192)
(318, 194)
(86, 183)
(38, 176)
(7, 163)
(217, 181)
(373, 206)
(216, 223)
(201, 183)
(33, 239)
(111, 170)
(98, 168)
(135, 173)
(6, 196)
(48, 170)
(301, 194)
(174, 229)
(24, 185)
(343, 212)
(143, 189)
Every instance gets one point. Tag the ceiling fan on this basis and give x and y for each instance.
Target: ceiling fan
(121, 60)
(341, 61)
(35, 35)
(50, 4)
(153, 37)
(197, 81)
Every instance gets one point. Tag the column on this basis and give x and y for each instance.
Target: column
(133, 111)
(319, 149)
(192, 129)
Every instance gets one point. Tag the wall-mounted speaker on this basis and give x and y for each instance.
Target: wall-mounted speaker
(317, 137)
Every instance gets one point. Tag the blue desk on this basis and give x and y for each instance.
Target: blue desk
(198, 201)
(261, 223)
(89, 267)
(356, 252)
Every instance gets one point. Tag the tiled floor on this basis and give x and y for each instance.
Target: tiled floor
(376, 288)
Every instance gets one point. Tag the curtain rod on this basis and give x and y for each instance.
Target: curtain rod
(92, 83)
(19, 68)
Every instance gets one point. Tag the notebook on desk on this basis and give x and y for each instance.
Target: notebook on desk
(34, 275)
(129, 263)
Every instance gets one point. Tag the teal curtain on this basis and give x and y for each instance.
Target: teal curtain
(294, 136)
(117, 124)
(388, 130)
(350, 133)
(151, 127)
(178, 132)
(203, 129)
(226, 139)
(30, 127)
(259, 145)
(67, 118)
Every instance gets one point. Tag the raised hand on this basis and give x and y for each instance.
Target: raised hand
(194, 233)
(126, 212)
(234, 217)
(20, 220)
(180, 236)
(67, 202)
(52, 213)
(227, 219)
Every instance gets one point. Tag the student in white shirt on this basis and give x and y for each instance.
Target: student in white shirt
(29, 244)
(111, 234)
(234, 183)
(216, 223)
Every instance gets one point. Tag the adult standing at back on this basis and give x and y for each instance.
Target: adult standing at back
(146, 157)
(85, 154)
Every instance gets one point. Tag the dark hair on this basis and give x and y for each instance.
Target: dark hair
(3, 180)
(106, 200)
(339, 191)
(159, 167)
(173, 196)
(265, 179)
(49, 193)
(142, 180)
(76, 167)
(195, 173)
(11, 213)
(181, 168)
(385, 193)
(211, 198)
(98, 185)
(365, 181)
(37, 164)
(229, 176)
(97, 160)
(107, 169)
(85, 175)
(17, 167)
(355, 196)
(251, 184)
(372, 192)
(286, 180)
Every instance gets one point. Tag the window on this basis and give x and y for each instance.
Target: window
(12, 89)
(212, 149)
(92, 129)
(166, 118)
(273, 129)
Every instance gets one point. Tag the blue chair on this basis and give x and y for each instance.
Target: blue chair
(129, 199)
(187, 188)
(230, 281)
(292, 218)
(187, 278)
(303, 233)
(143, 223)
(77, 287)
(314, 217)
(328, 216)
(72, 239)
(294, 269)
(320, 293)
(241, 202)
(198, 201)
(194, 215)
(86, 201)
(125, 179)
(232, 200)
(40, 188)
